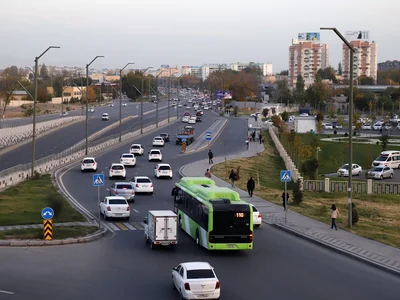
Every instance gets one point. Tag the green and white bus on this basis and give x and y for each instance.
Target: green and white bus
(214, 216)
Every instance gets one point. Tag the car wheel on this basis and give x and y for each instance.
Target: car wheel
(391, 175)
(170, 177)
(359, 173)
(381, 177)
(127, 218)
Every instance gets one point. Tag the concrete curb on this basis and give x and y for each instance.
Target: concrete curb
(28, 140)
(224, 122)
(29, 243)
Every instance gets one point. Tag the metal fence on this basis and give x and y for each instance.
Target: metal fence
(391, 188)
(313, 186)
(341, 186)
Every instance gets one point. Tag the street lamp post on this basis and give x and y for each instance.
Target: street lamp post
(34, 108)
(87, 101)
(169, 91)
(141, 101)
(177, 105)
(120, 100)
(349, 184)
(156, 89)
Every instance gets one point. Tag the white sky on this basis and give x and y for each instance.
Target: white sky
(184, 32)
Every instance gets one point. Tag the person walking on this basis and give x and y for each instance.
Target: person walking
(233, 177)
(260, 138)
(247, 143)
(334, 215)
(208, 173)
(253, 135)
(250, 186)
(285, 200)
(210, 157)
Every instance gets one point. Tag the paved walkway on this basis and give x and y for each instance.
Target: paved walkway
(13, 227)
(378, 254)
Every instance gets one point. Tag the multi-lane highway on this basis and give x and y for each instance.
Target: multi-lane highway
(281, 266)
(65, 137)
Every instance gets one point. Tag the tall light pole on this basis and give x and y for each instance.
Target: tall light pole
(156, 89)
(141, 101)
(120, 100)
(87, 102)
(169, 91)
(34, 108)
(177, 105)
(349, 184)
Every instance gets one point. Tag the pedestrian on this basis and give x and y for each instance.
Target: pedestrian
(253, 135)
(255, 118)
(285, 200)
(250, 186)
(260, 138)
(210, 157)
(208, 173)
(247, 143)
(233, 177)
(334, 215)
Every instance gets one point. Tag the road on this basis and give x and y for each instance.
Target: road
(65, 137)
(281, 266)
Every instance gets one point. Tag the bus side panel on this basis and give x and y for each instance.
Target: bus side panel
(190, 227)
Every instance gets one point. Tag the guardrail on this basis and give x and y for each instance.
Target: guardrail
(14, 135)
(15, 175)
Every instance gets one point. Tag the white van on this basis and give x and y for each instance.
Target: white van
(388, 158)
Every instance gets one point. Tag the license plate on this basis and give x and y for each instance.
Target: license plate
(118, 214)
(231, 246)
(145, 185)
(203, 295)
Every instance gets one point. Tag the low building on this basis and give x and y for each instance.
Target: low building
(337, 104)
(305, 124)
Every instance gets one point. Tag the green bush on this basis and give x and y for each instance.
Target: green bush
(285, 116)
(354, 214)
(55, 202)
(297, 192)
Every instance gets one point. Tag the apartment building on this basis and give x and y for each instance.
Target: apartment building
(389, 65)
(365, 60)
(266, 68)
(305, 59)
(191, 70)
(208, 69)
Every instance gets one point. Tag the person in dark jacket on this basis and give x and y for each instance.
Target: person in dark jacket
(210, 157)
(250, 186)
(260, 138)
(233, 177)
(285, 200)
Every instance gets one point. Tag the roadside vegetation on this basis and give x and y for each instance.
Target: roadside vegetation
(59, 232)
(379, 215)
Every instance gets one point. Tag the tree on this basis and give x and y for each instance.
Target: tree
(384, 141)
(284, 73)
(44, 73)
(327, 74)
(299, 91)
(285, 116)
(12, 71)
(57, 87)
(297, 192)
(8, 85)
(92, 95)
(365, 80)
(283, 94)
(340, 69)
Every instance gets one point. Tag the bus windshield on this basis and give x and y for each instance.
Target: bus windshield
(235, 221)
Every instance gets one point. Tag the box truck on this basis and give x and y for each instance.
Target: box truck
(161, 228)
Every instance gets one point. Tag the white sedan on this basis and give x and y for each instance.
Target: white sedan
(155, 154)
(196, 280)
(158, 141)
(124, 104)
(128, 159)
(328, 126)
(257, 217)
(192, 120)
(142, 184)
(105, 117)
(163, 170)
(89, 163)
(115, 207)
(117, 170)
(366, 127)
(344, 170)
(137, 149)
(185, 119)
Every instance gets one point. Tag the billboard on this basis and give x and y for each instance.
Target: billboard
(309, 37)
(164, 66)
(226, 95)
(357, 35)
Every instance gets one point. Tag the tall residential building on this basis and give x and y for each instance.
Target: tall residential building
(365, 60)
(206, 70)
(305, 59)
(266, 68)
(190, 70)
(389, 65)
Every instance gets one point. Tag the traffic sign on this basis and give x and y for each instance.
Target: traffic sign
(208, 135)
(98, 179)
(47, 213)
(286, 176)
(184, 140)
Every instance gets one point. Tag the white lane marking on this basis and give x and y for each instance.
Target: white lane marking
(114, 227)
(7, 292)
(129, 226)
(135, 210)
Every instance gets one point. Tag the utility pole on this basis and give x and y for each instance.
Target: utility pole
(169, 91)
(141, 101)
(120, 100)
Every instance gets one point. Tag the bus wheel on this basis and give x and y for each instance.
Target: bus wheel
(197, 238)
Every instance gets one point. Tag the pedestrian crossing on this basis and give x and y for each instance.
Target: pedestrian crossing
(123, 226)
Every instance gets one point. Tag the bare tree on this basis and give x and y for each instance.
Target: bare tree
(8, 85)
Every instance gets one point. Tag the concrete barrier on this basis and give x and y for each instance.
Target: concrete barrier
(15, 135)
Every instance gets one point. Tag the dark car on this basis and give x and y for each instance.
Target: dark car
(165, 136)
(199, 119)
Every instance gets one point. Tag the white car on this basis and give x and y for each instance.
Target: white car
(344, 170)
(111, 105)
(206, 107)
(115, 207)
(188, 107)
(64, 114)
(117, 170)
(185, 119)
(257, 217)
(196, 106)
(366, 127)
(158, 141)
(388, 126)
(104, 117)
(196, 280)
(180, 105)
(142, 184)
(192, 120)
(124, 104)
(377, 126)
(91, 110)
(155, 154)
(163, 170)
(128, 159)
(89, 163)
(328, 126)
(137, 149)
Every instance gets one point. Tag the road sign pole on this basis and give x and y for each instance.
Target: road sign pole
(286, 202)
(98, 204)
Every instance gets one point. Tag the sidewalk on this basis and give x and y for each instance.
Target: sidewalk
(369, 251)
(13, 227)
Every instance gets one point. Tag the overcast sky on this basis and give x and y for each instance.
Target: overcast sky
(184, 32)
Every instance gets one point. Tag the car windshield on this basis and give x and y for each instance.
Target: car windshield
(117, 167)
(163, 134)
(117, 201)
(158, 138)
(155, 153)
(345, 167)
(377, 170)
(88, 161)
(123, 187)
(143, 180)
(198, 274)
(128, 156)
(381, 158)
(135, 147)
(165, 168)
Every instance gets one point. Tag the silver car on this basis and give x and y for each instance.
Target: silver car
(123, 189)
(380, 173)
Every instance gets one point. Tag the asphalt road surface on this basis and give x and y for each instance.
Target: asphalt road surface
(65, 137)
(280, 266)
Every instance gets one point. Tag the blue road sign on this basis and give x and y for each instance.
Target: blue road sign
(184, 140)
(47, 213)
(98, 179)
(208, 135)
(286, 176)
